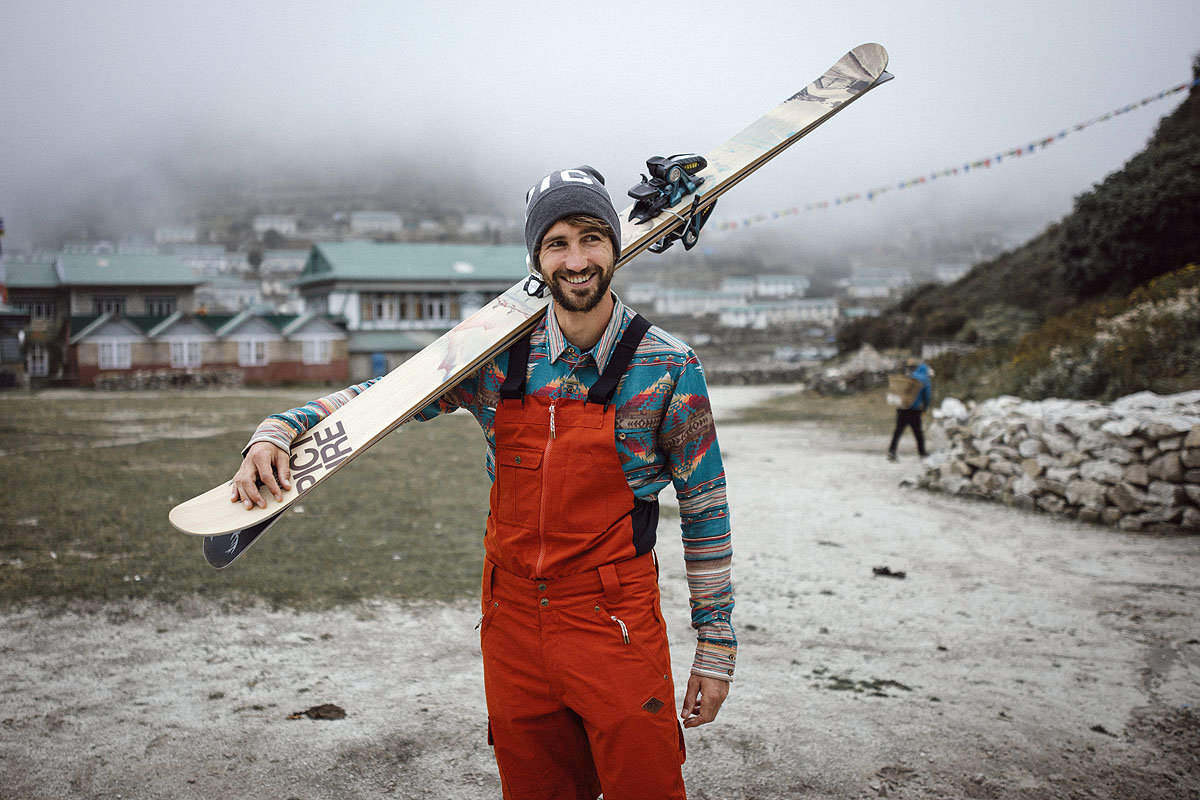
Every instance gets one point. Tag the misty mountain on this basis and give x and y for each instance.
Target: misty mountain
(1138, 223)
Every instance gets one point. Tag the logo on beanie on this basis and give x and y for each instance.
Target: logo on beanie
(578, 175)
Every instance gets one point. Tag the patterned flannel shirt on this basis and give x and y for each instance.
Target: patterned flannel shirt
(664, 433)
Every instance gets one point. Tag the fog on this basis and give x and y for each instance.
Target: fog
(122, 115)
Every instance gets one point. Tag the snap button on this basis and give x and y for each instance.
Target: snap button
(518, 459)
(621, 436)
(541, 587)
(545, 601)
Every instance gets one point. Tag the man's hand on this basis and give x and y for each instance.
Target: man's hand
(703, 700)
(262, 463)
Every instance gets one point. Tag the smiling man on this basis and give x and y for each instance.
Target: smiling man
(587, 419)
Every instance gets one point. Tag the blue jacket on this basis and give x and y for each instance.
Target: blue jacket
(925, 396)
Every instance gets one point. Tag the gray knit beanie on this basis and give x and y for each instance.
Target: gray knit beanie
(564, 193)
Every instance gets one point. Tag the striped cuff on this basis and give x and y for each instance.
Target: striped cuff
(274, 431)
(716, 651)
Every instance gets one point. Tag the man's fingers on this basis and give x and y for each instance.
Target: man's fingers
(283, 468)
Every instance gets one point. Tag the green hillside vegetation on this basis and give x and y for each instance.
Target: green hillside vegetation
(1062, 315)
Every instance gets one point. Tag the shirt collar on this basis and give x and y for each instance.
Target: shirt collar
(556, 342)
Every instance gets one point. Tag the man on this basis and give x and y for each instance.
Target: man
(911, 417)
(586, 419)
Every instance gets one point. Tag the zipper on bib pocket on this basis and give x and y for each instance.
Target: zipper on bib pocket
(542, 511)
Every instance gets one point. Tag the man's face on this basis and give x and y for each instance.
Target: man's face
(576, 264)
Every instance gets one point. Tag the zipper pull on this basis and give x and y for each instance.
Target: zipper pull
(552, 435)
(624, 630)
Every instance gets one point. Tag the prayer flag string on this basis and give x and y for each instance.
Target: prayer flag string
(986, 162)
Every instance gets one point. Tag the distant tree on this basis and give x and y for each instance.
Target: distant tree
(1137, 224)
(1141, 221)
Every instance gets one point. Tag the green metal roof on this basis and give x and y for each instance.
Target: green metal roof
(89, 269)
(30, 273)
(392, 261)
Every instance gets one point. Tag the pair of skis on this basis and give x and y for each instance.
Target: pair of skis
(228, 528)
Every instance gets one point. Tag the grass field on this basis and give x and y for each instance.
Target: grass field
(90, 477)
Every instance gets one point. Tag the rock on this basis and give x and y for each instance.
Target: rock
(1047, 486)
(1111, 515)
(1123, 427)
(1161, 493)
(1090, 514)
(1192, 476)
(1062, 474)
(1167, 467)
(1032, 468)
(1024, 485)
(1031, 447)
(1164, 425)
(1101, 471)
(1003, 467)
(1192, 439)
(1136, 474)
(1074, 458)
(1116, 454)
(1086, 493)
(1125, 497)
(953, 408)
(1057, 443)
(1190, 458)
(1052, 503)
(978, 462)
(1190, 519)
(1193, 494)
(1130, 524)
(1170, 443)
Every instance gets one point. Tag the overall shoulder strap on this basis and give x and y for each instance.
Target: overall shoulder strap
(602, 390)
(513, 387)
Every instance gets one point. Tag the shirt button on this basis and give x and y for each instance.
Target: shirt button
(545, 601)
(541, 587)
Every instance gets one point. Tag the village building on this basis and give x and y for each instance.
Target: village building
(94, 315)
(395, 298)
(820, 311)
(282, 224)
(376, 223)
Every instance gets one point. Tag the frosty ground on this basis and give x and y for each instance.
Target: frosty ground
(1019, 657)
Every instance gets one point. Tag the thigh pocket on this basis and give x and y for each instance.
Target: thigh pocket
(639, 632)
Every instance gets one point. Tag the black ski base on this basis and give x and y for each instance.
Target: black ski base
(221, 551)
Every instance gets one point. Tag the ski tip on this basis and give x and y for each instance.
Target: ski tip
(873, 58)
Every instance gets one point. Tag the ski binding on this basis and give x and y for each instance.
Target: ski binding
(670, 179)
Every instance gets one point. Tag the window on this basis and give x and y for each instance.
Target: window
(114, 354)
(317, 351)
(381, 307)
(252, 353)
(160, 306)
(37, 361)
(102, 304)
(435, 307)
(185, 354)
(38, 309)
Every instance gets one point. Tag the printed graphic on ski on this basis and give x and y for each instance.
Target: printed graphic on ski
(348, 431)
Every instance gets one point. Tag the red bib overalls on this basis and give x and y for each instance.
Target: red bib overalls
(576, 667)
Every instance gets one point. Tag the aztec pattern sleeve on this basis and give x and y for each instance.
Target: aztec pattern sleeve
(688, 437)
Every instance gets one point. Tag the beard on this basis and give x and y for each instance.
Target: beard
(571, 301)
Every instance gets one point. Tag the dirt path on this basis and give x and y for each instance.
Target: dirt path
(1020, 657)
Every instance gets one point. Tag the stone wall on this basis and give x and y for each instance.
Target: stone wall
(1134, 463)
(169, 379)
